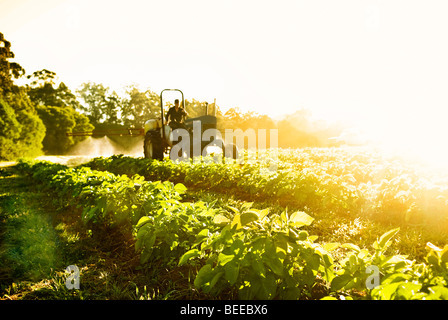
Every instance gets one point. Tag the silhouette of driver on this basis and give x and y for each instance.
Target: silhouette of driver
(176, 116)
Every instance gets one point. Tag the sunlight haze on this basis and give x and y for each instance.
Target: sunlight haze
(377, 65)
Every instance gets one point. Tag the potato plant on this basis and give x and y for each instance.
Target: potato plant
(247, 252)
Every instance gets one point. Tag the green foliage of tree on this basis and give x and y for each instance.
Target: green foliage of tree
(139, 106)
(105, 108)
(196, 108)
(294, 131)
(8, 130)
(235, 119)
(62, 112)
(94, 97)
(21, 132)
(59, 121)
(33, 129)
(8, 70)
(43, 91)
(57, 106)
(100, 104)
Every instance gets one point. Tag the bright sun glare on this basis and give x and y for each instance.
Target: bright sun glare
(424, 143)
(380, 67)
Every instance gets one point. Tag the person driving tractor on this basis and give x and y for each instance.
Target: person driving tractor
(176, 115)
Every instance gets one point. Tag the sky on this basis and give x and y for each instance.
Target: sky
(378, 65)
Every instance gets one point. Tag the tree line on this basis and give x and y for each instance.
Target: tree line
(35, 117)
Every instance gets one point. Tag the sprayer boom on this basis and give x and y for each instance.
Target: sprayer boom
(99, 133)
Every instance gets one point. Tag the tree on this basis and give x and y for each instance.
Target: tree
(59, 121)
(112, 108)
(235, 119)
(139, 106)
(195, 108)
(33, 129)
(57, 106)
(9, 131)
(94, 97)
(8, 70)
(100, 105)
(41, 77)
(21, 130)
(43, 91)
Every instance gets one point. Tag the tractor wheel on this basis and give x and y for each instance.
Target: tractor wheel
(152, 147)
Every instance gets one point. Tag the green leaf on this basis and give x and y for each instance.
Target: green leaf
(444, 254)
(408, 291)
(393, 261)
(299, 219)
(214, 280)
(291, 294)
(385, 292)
(220, 219)
(266, 288)
(146, 254)
(260, 213)
(142, 221)
(204, 275)
(258, 266)
(235, 210)
(149, 240)
(223, 259)
(331, 246)
(180, 188)
(188, 255)
(203, 234)
(327, 268)
(232, 271)
(303, 235)
(351, 246)
(275, 264)
(313, 261)
(247, 205)
(284, 216)
(384, 240)
(438, 293)
(237, 246)
(247, 217)
(395, 277)
(432, 259)
(340, 282)
(236, 222)
(329, 298)
(363, 254)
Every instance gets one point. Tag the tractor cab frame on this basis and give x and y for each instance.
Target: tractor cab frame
(159, 135)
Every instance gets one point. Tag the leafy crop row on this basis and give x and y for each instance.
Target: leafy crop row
(247, 253)
(317, 181)
(305, 188)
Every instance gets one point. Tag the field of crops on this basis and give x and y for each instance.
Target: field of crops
(295, 224)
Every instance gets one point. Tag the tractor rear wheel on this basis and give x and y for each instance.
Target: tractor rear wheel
(152, 146)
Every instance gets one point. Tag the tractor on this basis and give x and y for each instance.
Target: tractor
(160, 138)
